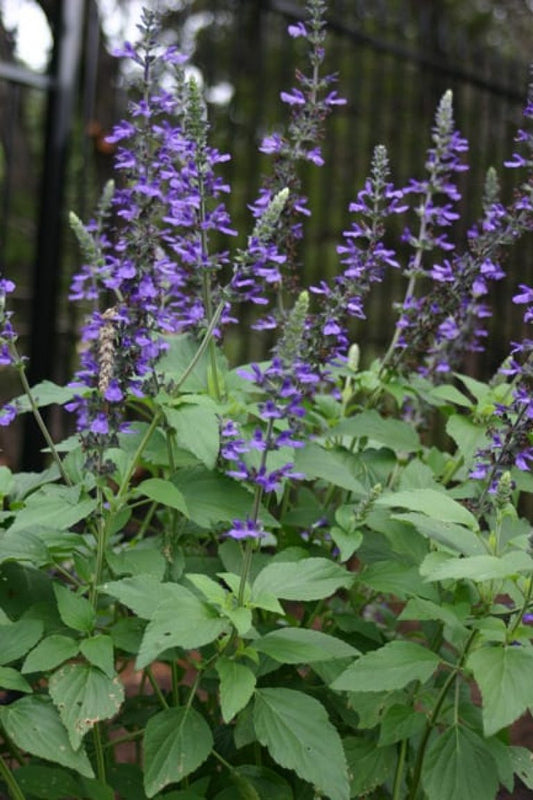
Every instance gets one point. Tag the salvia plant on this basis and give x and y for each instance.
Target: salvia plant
(272, 581)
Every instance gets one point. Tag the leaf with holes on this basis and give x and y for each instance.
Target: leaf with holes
(34, 725)
(83, 696)
(176, 742)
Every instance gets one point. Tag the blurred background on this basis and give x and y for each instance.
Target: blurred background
(61, 91)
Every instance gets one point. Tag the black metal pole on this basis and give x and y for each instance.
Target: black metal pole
(65, 64)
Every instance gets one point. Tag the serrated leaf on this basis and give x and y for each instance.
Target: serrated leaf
(394, 577)
(301, 646)
(432, 502)
(141, 593)
(478, 568)
(458, 764)
(46, 783)
(212, 497)
(75, 611)
(83, 696)
(307, 579)
(522, 763)
(298, 735)
(44, 393)
(468, 436)
(138, 561)
(347, 541)
(34, 725)
(237, 684)
(59, 507)
(392, 666)
(176, 742)
(23, 546)
(400, 722)
(187, 623)
(457, 537)
(336, 466)
(267, 783)
(18, 638)
(12, 680)
(98, 650)
(503, 675)
(197, 430)
(418, 609)
(164, 492)
(50, 653)
(392, 433)
(370, 765)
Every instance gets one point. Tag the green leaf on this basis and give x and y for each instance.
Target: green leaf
(458, 764)
(46, 783)
(394, 577)
(23, 546)
(6, 481)
(197, 430)
(237, 684)
(457, 537)
(175, 361)
(44, 394)
(468, 436)
(212, 497)
(478, 568)
(50, 653)
(139, 560)
(33, 724)
(434, 503)
(59, 507)
(75, 611)
(298, 735)
(393, 433)
(267, 784)
(176, 742)
(418, 609)
(98, 650)
(522, 762)
(18, 638)
(400, 722)
(336, 466)
(301, 646)
(142, 593)
(185, 621)
(83, 696)
(164, 492)
(392, 666)
(307, 579)
(370, 766)
(503, 675)
(347, 541)
(12, 680)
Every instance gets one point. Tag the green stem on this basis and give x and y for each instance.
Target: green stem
(417, 773)
(525, 604)
(175, 684)
(157, 691)
(38, 418)
(101, 544)
(398, 775)
(204, 344)
(135, 460)
(99, 754)
(128, 737)
(14, 789)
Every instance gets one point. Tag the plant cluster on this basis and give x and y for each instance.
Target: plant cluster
(271, 581)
